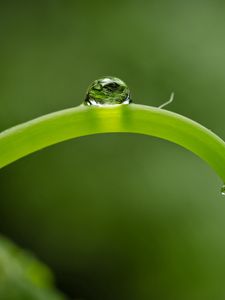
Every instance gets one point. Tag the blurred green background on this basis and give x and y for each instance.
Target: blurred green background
(116, 216)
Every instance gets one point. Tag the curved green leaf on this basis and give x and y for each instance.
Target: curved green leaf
(83, 120)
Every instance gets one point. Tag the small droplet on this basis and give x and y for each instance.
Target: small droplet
(223, 190)
(107, 91)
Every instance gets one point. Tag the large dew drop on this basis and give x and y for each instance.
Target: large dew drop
(223, 190)
(107, 91)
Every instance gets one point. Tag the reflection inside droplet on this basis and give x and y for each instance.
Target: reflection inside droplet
(223, 190)
(107, 91)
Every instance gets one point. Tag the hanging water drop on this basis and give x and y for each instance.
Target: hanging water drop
(107, 91)
(223, 190)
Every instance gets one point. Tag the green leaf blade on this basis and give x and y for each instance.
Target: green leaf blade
(50, 129)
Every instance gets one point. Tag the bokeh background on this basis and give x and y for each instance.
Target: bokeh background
(116, 216)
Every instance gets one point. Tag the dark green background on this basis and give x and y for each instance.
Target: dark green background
(116, 216)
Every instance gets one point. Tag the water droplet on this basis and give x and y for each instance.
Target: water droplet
(107, 91)
(223, 190)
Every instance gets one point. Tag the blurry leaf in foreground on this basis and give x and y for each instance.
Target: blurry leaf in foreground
(22, 277)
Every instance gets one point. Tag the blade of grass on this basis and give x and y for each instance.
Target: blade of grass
(53, 128)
